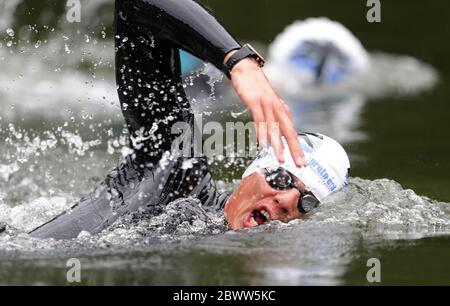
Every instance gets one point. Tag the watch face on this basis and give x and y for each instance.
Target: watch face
(257, 53)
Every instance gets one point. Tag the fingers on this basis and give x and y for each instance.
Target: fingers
(273, 122)
(260, 126)
(274, 135)
(271, 114)
(267, 128)
(289, 132)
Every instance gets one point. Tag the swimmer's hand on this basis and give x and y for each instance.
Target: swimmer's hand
(271, 114)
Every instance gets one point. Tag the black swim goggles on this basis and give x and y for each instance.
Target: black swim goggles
(280, 179)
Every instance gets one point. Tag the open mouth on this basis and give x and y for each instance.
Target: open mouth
(257, 217)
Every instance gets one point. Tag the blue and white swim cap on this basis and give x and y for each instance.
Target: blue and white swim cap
(328, 164)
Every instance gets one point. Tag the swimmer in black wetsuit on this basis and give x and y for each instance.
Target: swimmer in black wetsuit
(148, 37)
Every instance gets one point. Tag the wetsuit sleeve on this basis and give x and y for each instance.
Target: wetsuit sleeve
(186, 24)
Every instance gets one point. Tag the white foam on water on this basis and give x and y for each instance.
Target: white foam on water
(27, 216)
(379, 205)
(379, 208)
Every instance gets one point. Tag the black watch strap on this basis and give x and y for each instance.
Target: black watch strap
(246, 51)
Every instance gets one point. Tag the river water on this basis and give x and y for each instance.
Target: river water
(61, 131)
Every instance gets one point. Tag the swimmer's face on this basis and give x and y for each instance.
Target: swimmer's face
(254, 203)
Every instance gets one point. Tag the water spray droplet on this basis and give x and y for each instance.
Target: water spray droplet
(237, 114)
(66, 48)
(10, 32)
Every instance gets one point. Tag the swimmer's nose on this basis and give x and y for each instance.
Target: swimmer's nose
(286, 202)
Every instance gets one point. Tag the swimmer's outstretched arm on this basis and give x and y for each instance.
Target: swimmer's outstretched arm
(189, 26)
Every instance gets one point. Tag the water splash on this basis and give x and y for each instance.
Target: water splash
(180, 235)
(378, 209)
(383, 207)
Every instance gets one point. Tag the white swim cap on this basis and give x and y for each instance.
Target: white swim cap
(328, 164)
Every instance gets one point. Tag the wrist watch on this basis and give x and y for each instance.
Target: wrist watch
(245, 52)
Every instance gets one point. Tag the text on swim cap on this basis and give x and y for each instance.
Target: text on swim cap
(322, 173)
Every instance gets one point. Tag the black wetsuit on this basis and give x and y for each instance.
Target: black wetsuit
(148, 37)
